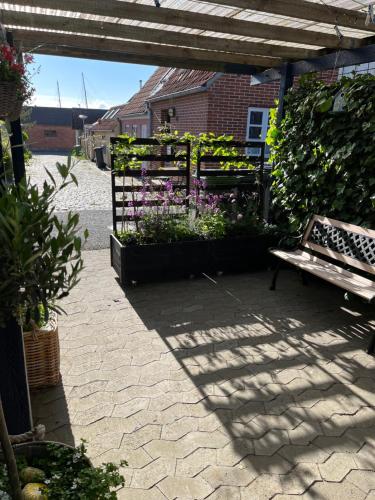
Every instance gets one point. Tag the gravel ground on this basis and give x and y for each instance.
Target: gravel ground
(92, 197)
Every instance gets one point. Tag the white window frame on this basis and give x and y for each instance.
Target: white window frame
(265, 123)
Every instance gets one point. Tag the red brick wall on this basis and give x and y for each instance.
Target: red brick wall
(229, 99)
(223, 109)
(191, 113)
(65, 138)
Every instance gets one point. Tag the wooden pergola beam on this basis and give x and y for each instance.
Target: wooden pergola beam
(325, 62)
(305, 10)
(123, 57)
(66, 23)
(139, 48)
(196, 20)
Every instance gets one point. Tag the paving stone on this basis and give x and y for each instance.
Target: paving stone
(334, 491)
(228, 476)
(192, 487)
(226, 493)
(297, 453)
(153, 473)
(363, 479)
(298, 480)
(264, 487)
(337, 466)
(194, 463)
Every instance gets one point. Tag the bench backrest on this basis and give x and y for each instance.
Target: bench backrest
(347, 243)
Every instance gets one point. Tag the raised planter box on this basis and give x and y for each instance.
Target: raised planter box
(162, 262)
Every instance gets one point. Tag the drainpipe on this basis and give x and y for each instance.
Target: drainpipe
(149, 118)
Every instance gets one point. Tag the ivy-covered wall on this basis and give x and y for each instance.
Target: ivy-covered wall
(324, 161)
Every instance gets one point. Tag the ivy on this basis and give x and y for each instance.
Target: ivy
(324, 161)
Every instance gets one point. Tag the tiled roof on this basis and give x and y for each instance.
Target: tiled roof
(181, 80)
(42, 115)
(137, 103)
(109, 120)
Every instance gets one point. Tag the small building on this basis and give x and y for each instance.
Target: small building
(57, 130)
(50, 130)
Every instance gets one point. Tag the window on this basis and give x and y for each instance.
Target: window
(360, 68)
(50, 133)
(257, 126)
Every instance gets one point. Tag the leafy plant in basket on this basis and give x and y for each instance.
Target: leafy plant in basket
(15, 84)
(40, 255)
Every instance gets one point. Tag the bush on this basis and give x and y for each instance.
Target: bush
(324, 161)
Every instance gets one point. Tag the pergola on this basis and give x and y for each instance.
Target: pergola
(269, 39)
(236, 36)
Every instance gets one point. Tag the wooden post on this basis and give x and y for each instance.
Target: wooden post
(9, 457)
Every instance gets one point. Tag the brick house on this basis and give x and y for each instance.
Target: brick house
(56, 130)
(203, 101)
(50, 129)
(193, 101)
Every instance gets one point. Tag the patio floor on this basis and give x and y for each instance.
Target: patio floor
(218, 388)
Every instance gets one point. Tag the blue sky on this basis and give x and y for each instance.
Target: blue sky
(107, 83)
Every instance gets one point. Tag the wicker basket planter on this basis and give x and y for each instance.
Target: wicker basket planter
(10, 103)
(42, 352)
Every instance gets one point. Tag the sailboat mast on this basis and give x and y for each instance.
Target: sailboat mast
(58, 93)
(84, 90)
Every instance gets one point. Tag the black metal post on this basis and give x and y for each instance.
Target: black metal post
(16, 139)
(13, 379)
(14, 389)
(286, 83)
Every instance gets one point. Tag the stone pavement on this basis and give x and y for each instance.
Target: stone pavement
(92, 198)
(218, 388)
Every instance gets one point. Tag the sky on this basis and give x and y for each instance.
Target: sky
(107, 83)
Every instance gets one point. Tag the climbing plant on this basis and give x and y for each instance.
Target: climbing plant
(324, 160)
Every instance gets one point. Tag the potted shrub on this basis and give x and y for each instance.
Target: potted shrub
(40, 263)
(15, 86)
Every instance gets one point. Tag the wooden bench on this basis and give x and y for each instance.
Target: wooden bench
(340, 253)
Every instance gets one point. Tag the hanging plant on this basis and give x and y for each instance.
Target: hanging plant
(15, 84)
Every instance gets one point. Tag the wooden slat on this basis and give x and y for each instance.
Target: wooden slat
(139, 48)
(225, 173)
(336, 275)
(229, 159)
(175, 17)
(62, 23)
(153, 188)
(140, 203)
(165, 172)
(307, 11)
(153, 60)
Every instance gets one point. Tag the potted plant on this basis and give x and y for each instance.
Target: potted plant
(15, 86)
(221, 233)
(40, 263)
(48, 470)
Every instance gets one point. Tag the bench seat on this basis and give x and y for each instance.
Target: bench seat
(336, 275)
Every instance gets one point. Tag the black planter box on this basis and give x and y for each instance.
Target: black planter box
(167, 261)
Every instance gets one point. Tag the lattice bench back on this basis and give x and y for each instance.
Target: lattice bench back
(347, 243)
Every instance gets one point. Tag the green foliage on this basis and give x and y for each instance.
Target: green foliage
(40, 255)
(211, 225)
(68, 476)
(323, 160)
(205, 144)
